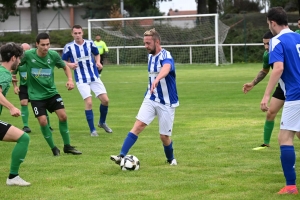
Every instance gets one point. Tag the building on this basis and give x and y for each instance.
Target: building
(48, 19)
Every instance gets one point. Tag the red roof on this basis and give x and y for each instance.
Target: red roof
(182, 12)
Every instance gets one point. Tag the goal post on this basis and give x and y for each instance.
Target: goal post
(189, 38)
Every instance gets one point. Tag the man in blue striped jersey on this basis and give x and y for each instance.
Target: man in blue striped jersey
(83, 57)
(284, 54)
(161, 98)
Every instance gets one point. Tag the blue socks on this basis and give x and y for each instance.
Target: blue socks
(169, 151)
(128, 143)
(90, 119)
(288, 159)
(103, 112)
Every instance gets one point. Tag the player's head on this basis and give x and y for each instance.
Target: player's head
(42, 43)
(298, 22)
(77, 33)
(152, 41)
(277, 19)
(11, 52)
(266, 39)
(98, 38)
(25, 46)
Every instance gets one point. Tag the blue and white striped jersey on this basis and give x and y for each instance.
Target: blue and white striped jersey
(285, 47)
(82, 54)
(166, 91)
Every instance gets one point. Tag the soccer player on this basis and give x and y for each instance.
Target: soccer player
(298, 22)
(277, 99)
(284, 56)
(10, 54)
(22, 92)
(79, 56)
(40, 63)
(102, 48)
(160, 99)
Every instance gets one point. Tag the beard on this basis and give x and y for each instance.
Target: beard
(152, 51)
(14, 65)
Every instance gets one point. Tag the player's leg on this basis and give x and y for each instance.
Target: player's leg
(145, 116)
(39, 110)
(23, 96)
(10, 133)
(48, 119)
(165, 117)
(101, 61)
(276, 104)
(56, 105)
(100, 92)
(290, 123)
(85, 91)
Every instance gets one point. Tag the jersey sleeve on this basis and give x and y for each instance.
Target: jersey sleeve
(105, 47)
(4, 81)
(66, 54)
(276, 51)
(94, 48)
(266, 60)
(59, 62)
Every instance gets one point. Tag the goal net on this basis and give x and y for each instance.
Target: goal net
(189, 38)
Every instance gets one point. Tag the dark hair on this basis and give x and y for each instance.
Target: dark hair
(9, 50)
(278, 15)
(77, 27)
(42, 36)
(268, 35)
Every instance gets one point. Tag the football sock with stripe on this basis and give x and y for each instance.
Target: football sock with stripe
(288, 159)
(47, 135)
(268, 128)
(169, 151)
(24, 114)
(19, 153)
(103, 113)
(64, 131)
(90, 119)
(128, 143)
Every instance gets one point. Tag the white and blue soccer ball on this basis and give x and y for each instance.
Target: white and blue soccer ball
(130, 162)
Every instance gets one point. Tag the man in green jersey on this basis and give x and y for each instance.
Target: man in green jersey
(277, 99)
(21, 91)
(10, 54)
(102, 48)
(40, 63)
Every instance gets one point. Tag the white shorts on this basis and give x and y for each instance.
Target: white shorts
(96, 86)
(290, 118)
(165, 114)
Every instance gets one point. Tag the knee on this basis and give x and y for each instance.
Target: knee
(25, 138)
(62, 118)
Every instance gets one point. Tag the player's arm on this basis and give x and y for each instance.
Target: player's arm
(105, 48)
(274, 78)
(69, 84)
(14, 82)
(4, 102)
(260, 76)
(162, 74)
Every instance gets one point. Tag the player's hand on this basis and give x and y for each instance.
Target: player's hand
(99, 65)
(70, 85)
(73, 65)
(15, 112)
(16, 90)
(153, 86)
(247, 87)
(264, 103)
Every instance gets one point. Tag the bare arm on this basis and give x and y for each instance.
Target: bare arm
(162, 74)
(274, 78)
(4, 102)
(69, 84)
(260, 76)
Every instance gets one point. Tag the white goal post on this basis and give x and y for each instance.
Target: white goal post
(189, 38)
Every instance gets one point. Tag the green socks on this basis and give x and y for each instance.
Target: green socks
(19, 153)
(64, 131)
(48, 135)
(268, 128)
(25, 114)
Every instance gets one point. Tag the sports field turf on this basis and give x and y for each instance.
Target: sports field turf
(216, 126)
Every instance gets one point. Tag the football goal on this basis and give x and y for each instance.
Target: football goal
(189, 38)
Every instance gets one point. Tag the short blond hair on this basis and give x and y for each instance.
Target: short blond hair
(152, 32)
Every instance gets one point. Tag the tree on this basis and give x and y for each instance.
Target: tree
(8, 8)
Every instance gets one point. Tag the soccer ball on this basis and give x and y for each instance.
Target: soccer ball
(130, 162)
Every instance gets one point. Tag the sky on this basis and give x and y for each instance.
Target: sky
(177, 4)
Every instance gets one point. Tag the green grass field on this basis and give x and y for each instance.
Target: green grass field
(216, 126)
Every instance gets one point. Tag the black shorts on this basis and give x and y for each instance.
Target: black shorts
(23, 94)
(52, 104)
(3, 129)
(278, 93)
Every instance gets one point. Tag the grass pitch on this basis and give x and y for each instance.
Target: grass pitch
(216, 126)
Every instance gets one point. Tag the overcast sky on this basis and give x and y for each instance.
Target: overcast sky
(177, 4)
